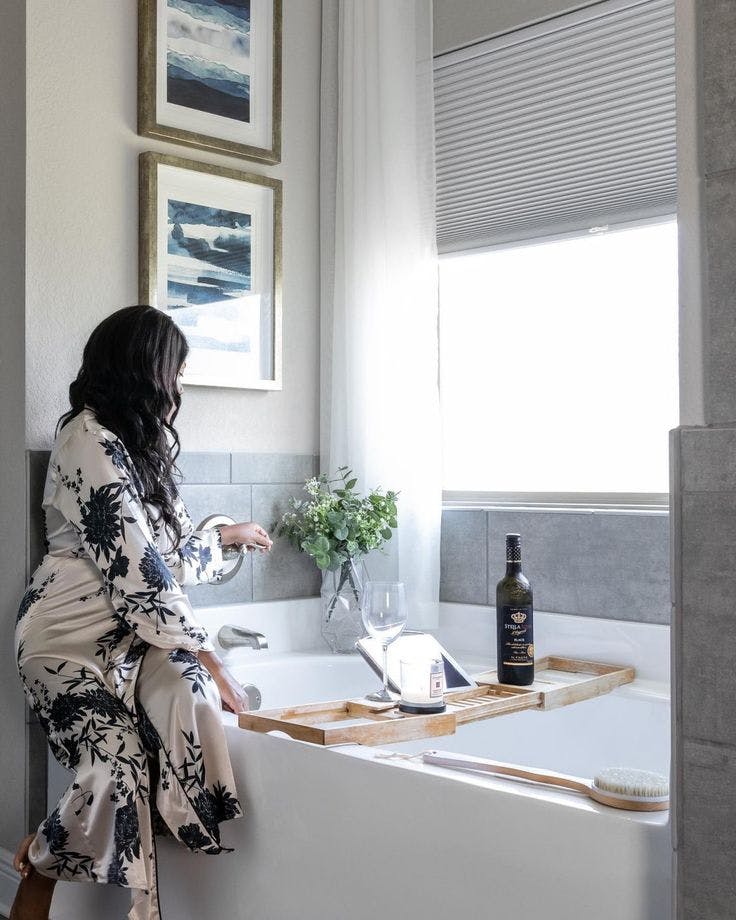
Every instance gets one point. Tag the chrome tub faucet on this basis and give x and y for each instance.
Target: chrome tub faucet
(231, 636)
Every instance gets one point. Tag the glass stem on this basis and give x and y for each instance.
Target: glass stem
(385, 667)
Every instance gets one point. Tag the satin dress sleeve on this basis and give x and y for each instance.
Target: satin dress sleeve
(96, 493)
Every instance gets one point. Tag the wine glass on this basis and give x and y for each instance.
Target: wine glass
(384, 616)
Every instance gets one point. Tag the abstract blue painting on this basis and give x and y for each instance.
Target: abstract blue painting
(208, 273)
(208, 56)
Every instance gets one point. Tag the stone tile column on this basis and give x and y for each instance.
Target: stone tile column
(703, 464)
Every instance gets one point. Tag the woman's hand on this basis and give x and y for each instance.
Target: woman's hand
(250, 535)
(234, 698)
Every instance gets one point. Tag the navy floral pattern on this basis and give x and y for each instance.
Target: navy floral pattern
(154, 570)
(193, 671)
(101, 521)
(102, 689)
(33, 595)
(117, 453)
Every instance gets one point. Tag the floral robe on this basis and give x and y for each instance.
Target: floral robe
(106, 645)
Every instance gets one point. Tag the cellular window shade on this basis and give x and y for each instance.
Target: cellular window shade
(557, 127)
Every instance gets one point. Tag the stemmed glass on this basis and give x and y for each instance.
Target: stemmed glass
(384, 616)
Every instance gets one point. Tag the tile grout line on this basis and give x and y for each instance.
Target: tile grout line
(488, 559)
(251, 559)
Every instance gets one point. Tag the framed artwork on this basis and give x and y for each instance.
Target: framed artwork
(210, 257)
(209, 75)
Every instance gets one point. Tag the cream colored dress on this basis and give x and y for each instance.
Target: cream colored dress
(105, 643)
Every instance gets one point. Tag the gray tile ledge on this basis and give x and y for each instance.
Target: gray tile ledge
(204, 467)
(554, 509)
(708, 459)
(463, 557)
(273, 468)
(706, 816)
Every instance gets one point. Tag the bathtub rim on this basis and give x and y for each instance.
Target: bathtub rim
(638, 690)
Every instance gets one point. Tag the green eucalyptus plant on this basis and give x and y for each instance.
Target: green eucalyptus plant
(335, 523)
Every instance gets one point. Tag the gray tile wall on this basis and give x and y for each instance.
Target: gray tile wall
(600, 564)
(704, 470)
(252, 487)
(704, 639)
(246, 487)
(594, 564)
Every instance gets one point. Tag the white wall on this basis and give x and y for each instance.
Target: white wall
(462, 22)
(82, 219)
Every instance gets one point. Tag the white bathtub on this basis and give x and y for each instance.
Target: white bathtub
(339, 834)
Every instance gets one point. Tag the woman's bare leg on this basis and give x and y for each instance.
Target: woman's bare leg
(33, 898)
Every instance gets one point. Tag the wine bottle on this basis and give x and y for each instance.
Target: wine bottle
(514, 620)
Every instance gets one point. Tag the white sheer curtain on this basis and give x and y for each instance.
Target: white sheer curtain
(380, 399)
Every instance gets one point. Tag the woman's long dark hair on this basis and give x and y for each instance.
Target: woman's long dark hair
(128, 378)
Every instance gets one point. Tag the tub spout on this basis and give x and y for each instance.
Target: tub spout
(231, 636)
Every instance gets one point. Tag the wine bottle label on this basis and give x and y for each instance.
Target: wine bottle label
(517, 637)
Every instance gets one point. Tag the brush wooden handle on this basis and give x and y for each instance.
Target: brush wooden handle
(465, 762)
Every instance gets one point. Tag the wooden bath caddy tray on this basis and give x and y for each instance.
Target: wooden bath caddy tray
(558, 682)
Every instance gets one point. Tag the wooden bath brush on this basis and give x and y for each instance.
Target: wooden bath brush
(618, 787)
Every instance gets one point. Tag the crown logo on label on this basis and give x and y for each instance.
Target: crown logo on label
(518, 617)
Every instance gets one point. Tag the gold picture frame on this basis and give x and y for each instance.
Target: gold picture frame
(159, 118)
(210, 256)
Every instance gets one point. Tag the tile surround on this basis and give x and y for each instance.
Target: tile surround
(708, 459)
(37, 462)
(719, 203)
(706, 880)
(704, 476)
(272, 468)
(613, 565)
(244, 486)
(464, 557)
(718, 75)
(204, 466)
(704, 635)
(284, 572)
(708, 626)
(607, 565)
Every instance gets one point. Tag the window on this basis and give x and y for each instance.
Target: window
(556, 127)
(559, 364)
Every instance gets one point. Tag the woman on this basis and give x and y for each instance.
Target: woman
(122, 677)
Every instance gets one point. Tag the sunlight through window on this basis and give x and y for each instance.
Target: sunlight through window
(559, 364)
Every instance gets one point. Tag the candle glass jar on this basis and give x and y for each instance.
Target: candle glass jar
(422, 685)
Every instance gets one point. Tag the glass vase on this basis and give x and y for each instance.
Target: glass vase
(342, 590)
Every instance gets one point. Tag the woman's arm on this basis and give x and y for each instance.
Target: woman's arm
(248, 534)
(233, 697)
(198, 559)
(96, 494)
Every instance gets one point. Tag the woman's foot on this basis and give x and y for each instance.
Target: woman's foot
(33, 898)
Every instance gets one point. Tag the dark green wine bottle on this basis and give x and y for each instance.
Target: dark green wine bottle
(514, 620)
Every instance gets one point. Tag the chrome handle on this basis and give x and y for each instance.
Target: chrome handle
(254, 697)
(232, 557)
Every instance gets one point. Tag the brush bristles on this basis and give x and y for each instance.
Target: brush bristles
(637, 784)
